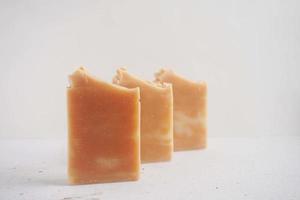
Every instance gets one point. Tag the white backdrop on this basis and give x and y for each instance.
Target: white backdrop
(247, 51)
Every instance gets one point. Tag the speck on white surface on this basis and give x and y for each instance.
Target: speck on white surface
(230, 168)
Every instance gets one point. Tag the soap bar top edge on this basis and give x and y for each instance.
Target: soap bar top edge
(82, 78)
(165, 73)
(122, 72)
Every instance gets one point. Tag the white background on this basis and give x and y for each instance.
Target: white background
(247, 51)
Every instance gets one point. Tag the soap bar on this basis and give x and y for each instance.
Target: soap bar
(104, 130)
(156, 116)
(189, 110)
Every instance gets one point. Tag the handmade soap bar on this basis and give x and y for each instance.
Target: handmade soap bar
(189, 111)
(104, 131)
(156, 116)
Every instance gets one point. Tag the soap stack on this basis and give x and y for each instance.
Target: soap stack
(114, 127)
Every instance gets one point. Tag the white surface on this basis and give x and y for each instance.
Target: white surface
(247, 51)
(231, 168)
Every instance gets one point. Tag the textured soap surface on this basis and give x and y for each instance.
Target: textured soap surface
(156, 116)
(189, 111)
(104, 125)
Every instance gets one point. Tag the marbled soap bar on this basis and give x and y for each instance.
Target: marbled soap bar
(104, 130)
(189, 110)
(156, 116)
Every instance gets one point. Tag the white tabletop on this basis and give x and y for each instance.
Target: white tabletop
(230, 168)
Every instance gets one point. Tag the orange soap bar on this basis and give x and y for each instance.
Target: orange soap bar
(156, 116)
(104, 131)
(189, 111)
